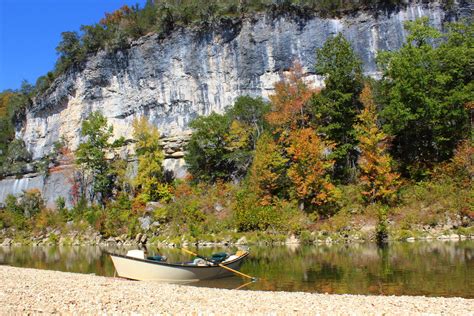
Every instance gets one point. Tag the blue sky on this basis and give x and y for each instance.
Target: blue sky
(31, 29)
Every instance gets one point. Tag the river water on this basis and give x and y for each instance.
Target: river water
(423, 268)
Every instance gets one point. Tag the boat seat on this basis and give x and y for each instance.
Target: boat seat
(219, 257)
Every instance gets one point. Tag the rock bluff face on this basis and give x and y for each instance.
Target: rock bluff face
(194, 72)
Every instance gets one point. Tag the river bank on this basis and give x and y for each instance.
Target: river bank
(253, 240)
(88, 236)
(39, 291)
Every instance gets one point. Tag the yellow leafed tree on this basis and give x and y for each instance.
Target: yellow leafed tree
(267, 170)
(380, 183)
(238, 136)
(150, 176)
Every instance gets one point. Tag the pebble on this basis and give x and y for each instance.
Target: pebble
(30, 291)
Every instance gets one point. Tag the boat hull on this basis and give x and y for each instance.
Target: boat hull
(148, 270)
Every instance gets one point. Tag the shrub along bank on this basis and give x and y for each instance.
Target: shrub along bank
(215, 214)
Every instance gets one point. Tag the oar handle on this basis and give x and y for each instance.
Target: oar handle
(219, 264)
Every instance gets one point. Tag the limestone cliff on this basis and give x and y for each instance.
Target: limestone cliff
(194, 72)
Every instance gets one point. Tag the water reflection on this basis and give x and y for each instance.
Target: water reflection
(71, 259)
(426, 268)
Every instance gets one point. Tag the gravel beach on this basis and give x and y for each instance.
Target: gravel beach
(41, 291)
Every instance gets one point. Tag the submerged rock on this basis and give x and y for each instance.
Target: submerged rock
(292, 240)
(7, 242)
(242, 241)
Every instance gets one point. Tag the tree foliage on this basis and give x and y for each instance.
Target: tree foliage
(222, 145)
(247, 123)
(12, 105)
(250, 112)
(334, 109)
(378, 180)
(206, 150)
(150, 176)
(309, 171)
(289, 102)
(28, 204)
(6, 126)
(298, 148)
(461, 165)
(69, 50)
(425, 88)
(267, 173)
(92, 156)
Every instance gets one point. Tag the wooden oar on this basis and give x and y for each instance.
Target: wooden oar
(219, 264)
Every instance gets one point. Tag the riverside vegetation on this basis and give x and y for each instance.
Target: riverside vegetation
(358, 159)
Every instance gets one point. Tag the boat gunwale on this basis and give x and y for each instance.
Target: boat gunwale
(177, 265)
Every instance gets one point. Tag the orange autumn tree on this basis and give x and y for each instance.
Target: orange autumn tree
(380, 183)
(289, 103)
(309, 170)
(462, 163)
(116, 17)
(309, 167)
(460, 166)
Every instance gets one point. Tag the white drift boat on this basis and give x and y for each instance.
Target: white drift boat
(136, 266)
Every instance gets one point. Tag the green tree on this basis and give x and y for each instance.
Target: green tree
(425, 88)
(12, 215)
(119, 219)
(69, 49)
(334, 109)
(17, 152)
(207, 151)
(222, 145)
(141, 20)
(12, 205)
(150, 176)
(31, 202)
(94, 37)
(28, 204)
(44, 82)
(12, 107)
(251, 113)
(6, 126)
(91, 155)
(248, 122)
